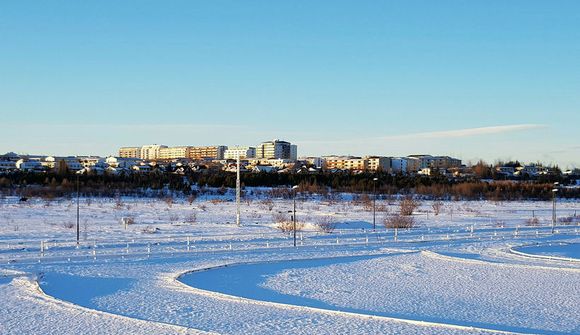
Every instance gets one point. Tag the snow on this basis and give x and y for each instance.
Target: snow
(168, 273)
(418, 286)
(562, 250)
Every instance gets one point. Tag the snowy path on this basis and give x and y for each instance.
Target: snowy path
(26, 310)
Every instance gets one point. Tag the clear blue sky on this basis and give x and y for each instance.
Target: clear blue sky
(489, 79)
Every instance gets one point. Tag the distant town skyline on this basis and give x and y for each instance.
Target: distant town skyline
(417, 143)
(491, 80)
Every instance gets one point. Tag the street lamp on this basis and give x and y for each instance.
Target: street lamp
(375, 203)
(294, 190)
(554, 191)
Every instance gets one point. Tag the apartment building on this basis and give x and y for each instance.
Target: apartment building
(346, 163)
(6, 165)
(399, 165)
(318, 162)
(130, 152)
(378, 163)
(413, 164)
(151, 152)
(24, 164)
(276, 149)
(174, 152)
(446, 162)
(242, 152)
(293, 152)
(209, 152)
(436, 162)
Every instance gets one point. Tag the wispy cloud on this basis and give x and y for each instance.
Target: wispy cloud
(467, 132)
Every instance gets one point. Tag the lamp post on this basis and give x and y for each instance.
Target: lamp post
(78, 209)
(375, 203)
(554, 191)
(294, 190)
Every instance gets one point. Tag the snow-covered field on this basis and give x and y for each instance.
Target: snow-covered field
(476, 268)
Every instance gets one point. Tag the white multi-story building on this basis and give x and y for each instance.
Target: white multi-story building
(151, 152)
(242, 152)
(318, 162)
(399, 165)
(293, 152)
(378, 163)
(275, 149)
(6, 165)
(414, 164)
(29, 165)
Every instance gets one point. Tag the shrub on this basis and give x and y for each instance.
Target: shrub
(191, 218)
(533, 221)
(191, 198)
(173, 218)
(437, 206)
(566, 219)
(399, 221)
(169, 201)
(118, 203)
(325, 224)
(284, 223)
(267, 204)
(408, 206)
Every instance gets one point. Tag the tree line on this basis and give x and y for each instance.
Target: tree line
(195, 182)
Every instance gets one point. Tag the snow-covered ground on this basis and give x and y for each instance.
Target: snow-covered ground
(477, 267)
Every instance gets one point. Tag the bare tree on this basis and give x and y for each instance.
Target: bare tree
(408, 206)
(437, 206)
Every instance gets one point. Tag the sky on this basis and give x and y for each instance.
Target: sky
(492, 80)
